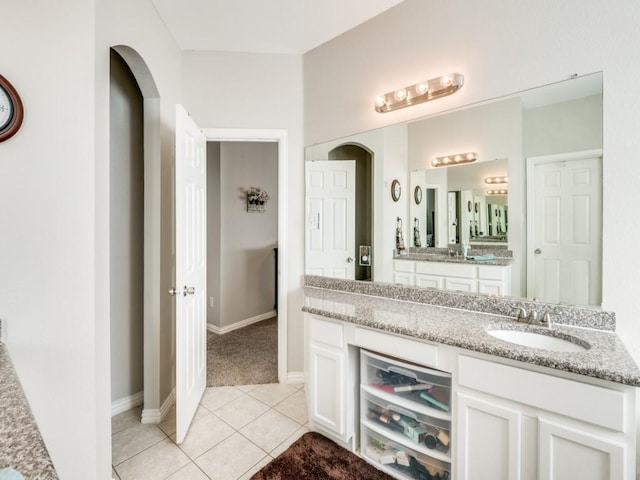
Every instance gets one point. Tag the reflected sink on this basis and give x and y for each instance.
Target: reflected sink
(543, 341)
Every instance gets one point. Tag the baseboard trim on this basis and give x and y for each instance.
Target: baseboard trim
(127, 403)
(295, 377)
(156, 415)
(242, 323)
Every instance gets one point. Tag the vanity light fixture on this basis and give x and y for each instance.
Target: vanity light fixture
(502, 191)
(458, 159)
(419, 93)
(492, 180)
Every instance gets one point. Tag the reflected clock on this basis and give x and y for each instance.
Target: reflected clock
(11, 110)
(395, 190)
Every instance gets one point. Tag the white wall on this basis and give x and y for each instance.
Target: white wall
(259, 91)
(517, 45)
(247, 238)
(47, 251)
(54, 261)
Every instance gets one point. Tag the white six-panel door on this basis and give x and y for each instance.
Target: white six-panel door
(330, 218)
(565, 230)
(190, 289)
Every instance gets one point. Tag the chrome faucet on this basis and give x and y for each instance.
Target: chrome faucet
(532, 318)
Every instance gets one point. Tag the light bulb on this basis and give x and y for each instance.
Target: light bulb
(422, 88)
(400, 94)
(435, 162)
(457, 158)
(445, 160)
(471, 156)
(381, 100)
(446, 80)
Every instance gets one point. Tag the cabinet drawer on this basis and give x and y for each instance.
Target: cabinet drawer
(423, 353)
(322, 331)
(446, 269)
(597, 405)
(416, 387)
(424, 433)
(400, 460)
(487, 272)
(403, 266)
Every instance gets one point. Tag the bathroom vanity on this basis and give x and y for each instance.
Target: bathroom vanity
(440, 270)
(504, 410)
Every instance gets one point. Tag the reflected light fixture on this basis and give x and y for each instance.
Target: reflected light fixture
(491, 180)
(502, 191)
(419, 93)
(458, 159)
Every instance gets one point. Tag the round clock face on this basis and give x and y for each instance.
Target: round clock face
(11, 112)
(395, 190)
(417, 194)
(6, 109)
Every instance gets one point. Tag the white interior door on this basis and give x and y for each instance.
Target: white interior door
(191, 273)
(565, 230)
(331, 217)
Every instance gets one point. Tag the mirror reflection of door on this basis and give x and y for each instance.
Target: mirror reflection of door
(330, 219)
(431, 207)
(565, 231)
(453, 209)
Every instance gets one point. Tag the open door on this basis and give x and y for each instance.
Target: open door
(331, 217)
(191, 269)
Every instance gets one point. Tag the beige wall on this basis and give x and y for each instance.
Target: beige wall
(516, 46)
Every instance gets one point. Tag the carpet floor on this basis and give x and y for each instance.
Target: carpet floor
(314, 457)
(247, 356)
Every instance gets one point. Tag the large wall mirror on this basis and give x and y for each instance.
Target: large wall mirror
(535, 190)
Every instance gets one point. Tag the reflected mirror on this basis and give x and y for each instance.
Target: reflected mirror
(534, 194)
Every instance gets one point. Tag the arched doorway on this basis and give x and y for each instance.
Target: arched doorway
(364, 199)
(151, 232)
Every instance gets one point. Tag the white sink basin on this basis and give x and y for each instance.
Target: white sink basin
(539, 340)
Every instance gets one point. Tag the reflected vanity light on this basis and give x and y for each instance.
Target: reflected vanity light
(457, 159)
(502, 191)
(419, 93)
(492, 180)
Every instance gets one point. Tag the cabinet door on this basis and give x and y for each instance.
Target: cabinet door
(566, 452)
(403, 278)
(430, 281)
(492, 287)
(489, 440)
(327, 395)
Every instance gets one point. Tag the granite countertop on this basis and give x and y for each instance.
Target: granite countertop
(606, 358)
(440, 257)
(21, 445)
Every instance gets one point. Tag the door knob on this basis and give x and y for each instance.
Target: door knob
(350, 260)
(189, 290)
(537, 251)
(173, 292)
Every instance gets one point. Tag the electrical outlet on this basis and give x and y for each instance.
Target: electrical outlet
(211, 302)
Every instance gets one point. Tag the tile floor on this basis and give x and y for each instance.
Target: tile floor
(235, 432)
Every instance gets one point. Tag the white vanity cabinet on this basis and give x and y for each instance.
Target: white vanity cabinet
(326, 376)
(516, 424)
(505, 422)
(462, 277)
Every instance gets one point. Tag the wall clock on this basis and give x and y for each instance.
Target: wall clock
(417, 194)
(11, 110)
(395, 190)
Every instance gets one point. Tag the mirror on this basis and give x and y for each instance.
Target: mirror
(527, 137)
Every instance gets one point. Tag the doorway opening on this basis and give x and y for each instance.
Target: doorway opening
(146, 388)
(242, 247)
(280, 139)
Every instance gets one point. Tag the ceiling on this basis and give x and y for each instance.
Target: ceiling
(263, 26)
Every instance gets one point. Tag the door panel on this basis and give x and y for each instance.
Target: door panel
(565, 257)
(330, 212)
(190, 234)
